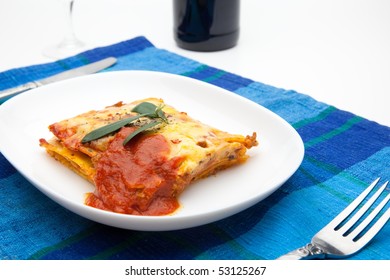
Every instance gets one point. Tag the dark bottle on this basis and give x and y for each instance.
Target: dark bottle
(206, 25)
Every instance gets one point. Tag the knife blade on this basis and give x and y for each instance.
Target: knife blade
(72, 73)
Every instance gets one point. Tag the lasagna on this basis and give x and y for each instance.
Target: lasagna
(144, 175)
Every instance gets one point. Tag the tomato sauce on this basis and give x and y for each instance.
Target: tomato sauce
(137, 178)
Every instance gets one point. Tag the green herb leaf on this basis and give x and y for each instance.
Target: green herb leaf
(160, 113)
(139, 130)
(110, 128)
(151, 110)
(144, 109)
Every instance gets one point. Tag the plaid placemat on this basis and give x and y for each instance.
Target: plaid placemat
(343, 154)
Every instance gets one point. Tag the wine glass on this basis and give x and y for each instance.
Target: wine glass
(70, 45)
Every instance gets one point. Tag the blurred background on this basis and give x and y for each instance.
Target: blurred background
(336, 51)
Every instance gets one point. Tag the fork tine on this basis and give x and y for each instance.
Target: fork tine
(362, 210)
(376, 227)
(349, 209)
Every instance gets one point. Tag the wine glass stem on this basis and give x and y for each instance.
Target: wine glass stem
(69, 32)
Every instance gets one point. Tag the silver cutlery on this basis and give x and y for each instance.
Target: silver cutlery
(347, 233)
(76, 72)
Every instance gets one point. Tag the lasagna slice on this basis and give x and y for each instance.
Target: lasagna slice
(145, 175)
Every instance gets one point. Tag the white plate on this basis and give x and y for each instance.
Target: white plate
(24, 120)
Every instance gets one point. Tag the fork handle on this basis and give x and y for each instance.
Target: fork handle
(307, 252)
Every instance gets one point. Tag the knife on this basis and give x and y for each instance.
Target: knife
(76, 72)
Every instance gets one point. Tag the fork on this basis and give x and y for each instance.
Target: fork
(346, 234)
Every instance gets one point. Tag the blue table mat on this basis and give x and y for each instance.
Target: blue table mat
(343, 154)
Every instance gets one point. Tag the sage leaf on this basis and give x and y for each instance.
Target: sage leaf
(146, 108)
(139, 130)
(110, 128)
(151, 110)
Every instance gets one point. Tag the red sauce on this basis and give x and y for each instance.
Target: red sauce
(137, 178)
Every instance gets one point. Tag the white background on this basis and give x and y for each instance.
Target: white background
(337, 51)
(303, 270)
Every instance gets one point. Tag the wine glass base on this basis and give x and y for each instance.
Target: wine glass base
(64, 49)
